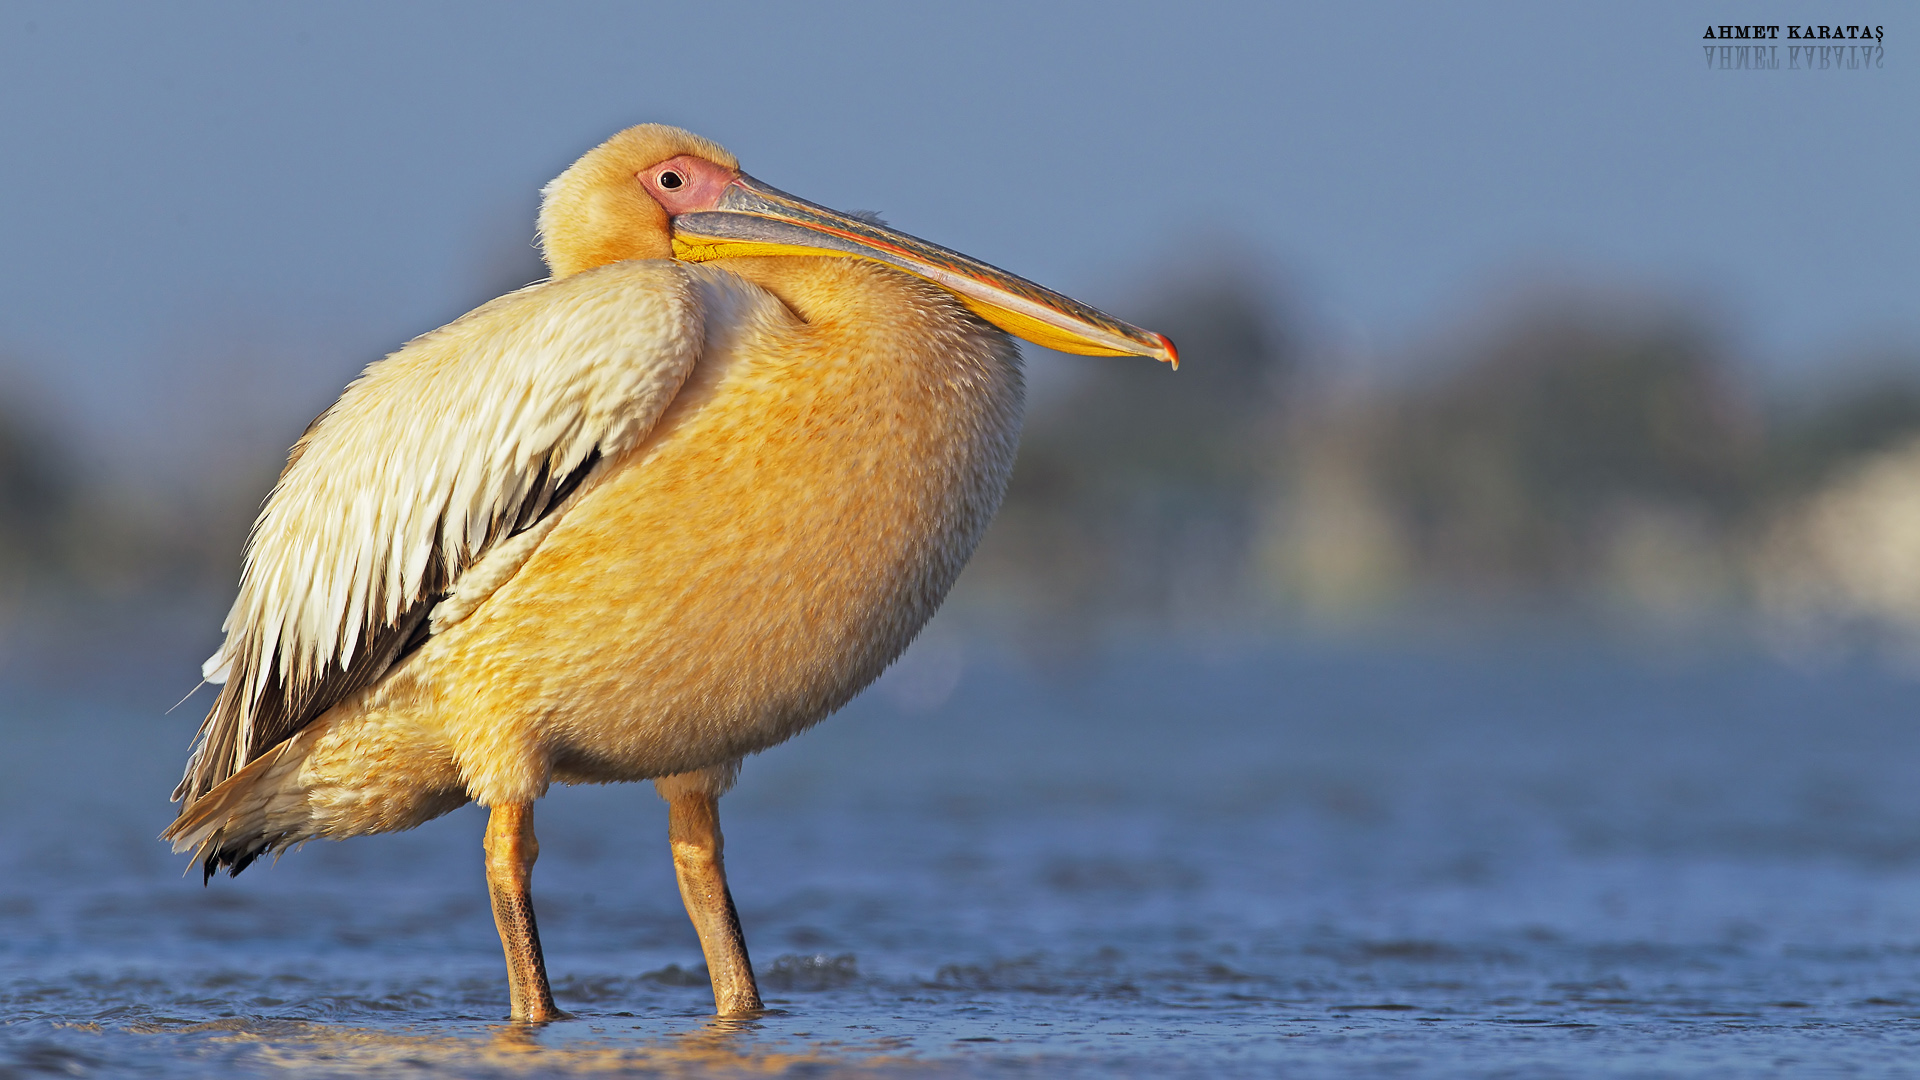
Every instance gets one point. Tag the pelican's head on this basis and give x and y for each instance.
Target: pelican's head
(600, 211)
(656, 192)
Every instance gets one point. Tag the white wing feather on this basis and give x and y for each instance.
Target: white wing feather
(434, 451)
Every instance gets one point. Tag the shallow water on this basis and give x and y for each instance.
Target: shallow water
(1296, 859)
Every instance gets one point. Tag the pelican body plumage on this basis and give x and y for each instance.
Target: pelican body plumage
(663, 510)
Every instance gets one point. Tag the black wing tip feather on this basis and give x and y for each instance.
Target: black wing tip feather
(232, 857)
(214, 863)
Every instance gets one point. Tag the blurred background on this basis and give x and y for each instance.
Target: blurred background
(1501, 311)
(1522, 567)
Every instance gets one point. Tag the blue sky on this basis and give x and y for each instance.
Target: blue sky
(213, 214)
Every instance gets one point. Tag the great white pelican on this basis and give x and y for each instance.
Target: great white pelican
(665, 509)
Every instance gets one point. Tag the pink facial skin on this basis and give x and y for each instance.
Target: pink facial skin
(700, 184)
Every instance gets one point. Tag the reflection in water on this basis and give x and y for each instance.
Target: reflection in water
(719, 1045)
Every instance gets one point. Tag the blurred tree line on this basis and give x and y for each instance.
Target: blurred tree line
(34, 505)
(1571, 449)
(70, 534)
(1137, 489)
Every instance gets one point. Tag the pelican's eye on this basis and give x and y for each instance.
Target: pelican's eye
(671, 181)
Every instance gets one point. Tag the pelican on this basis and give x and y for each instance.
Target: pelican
(665, 509)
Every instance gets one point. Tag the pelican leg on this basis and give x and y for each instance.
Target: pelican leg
(511, 850)
(693, 829)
